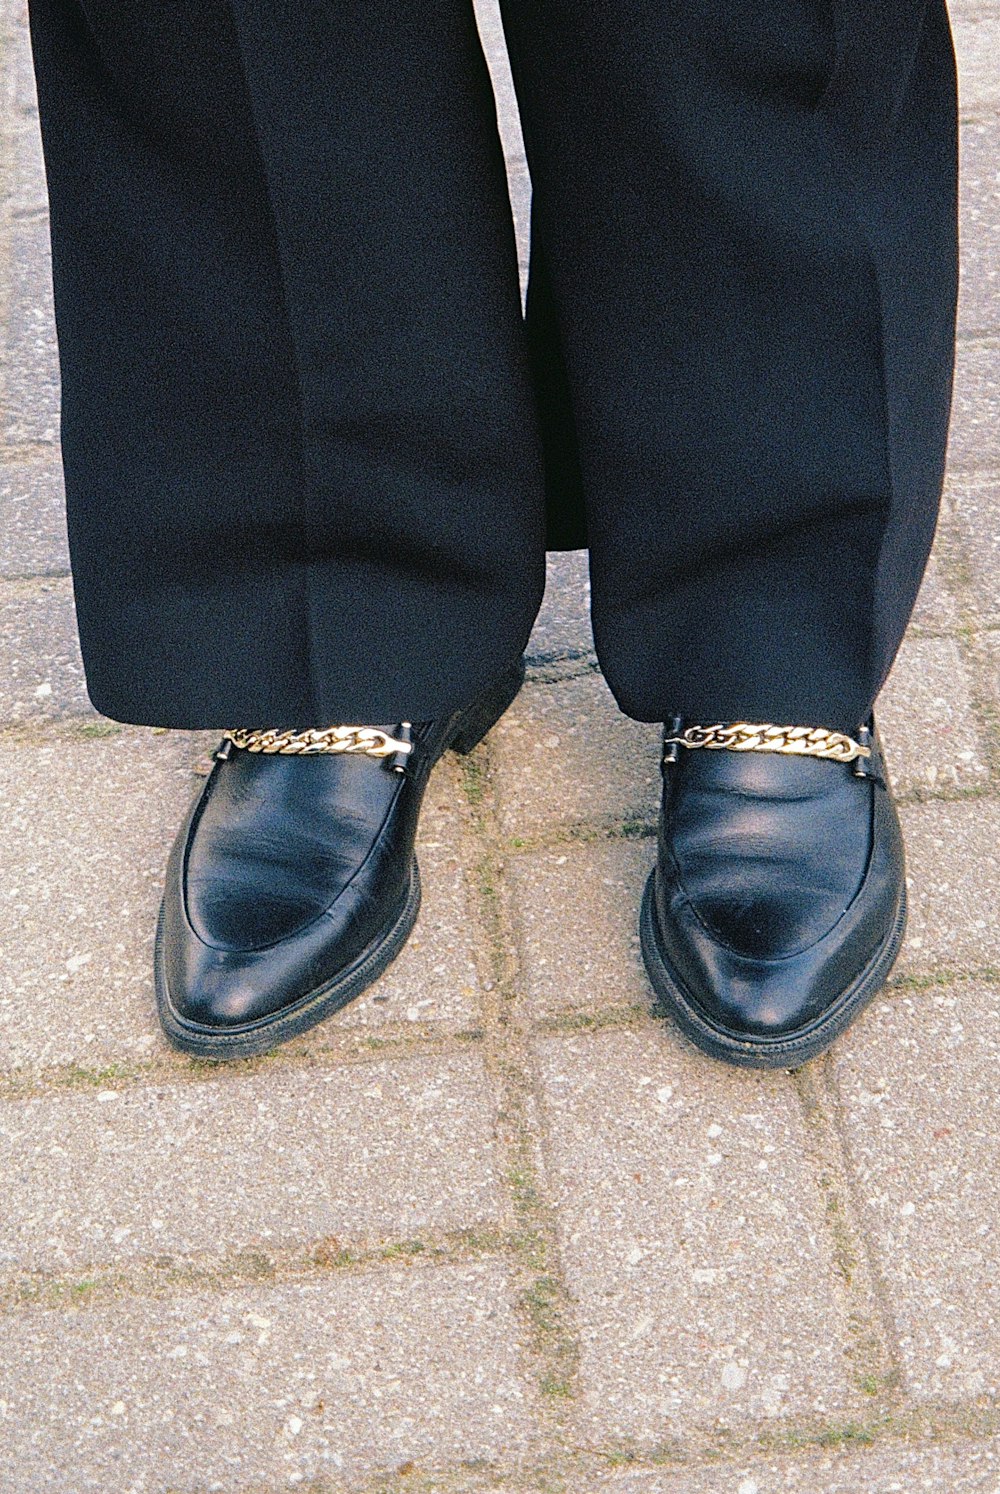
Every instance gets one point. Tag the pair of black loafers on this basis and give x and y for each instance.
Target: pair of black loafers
(773, 914)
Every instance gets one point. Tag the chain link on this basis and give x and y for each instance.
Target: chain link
(370, 740)
(794, 741)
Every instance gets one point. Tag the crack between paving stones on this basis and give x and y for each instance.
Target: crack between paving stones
(876, 1369)
(551, 1341)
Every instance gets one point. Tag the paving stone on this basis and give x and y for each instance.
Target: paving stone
(692, 1238)
(29, 188)
(989, 644)
(508, 121)
(963, 1468)
(333, 1379)
(360, 1152)
(577, 913)
(979, 305)
(935, 609)
(977, 46)
(32, 520)
(953, 861)
(26, 183)
(926, 719)
(562, 630)
(86, 829)
(519, 187)
(565, 754)
(31, 365)
(922, 1115)
(492, 36)
(976, 505)
(974, 442)
(25, 94)
(41, 672)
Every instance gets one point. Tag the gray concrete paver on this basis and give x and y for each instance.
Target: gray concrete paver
(577, 918)
(936, 610)
(562, 631)
(30, 361)
(979, 305)
(32, 521)
(692, 1238)
(27, 183)
(25, 94)
(959, 1468)
(953, 861)
(922, 1114)
(977, 46)
(974, 441)
(41, 671)
(564, 754)
(272, 1160)
(518, 181)
(926, 719)
(989, 645)
(328, 1379)
(85, 828)
(976, 506)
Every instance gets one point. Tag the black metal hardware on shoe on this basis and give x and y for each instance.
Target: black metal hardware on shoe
(671, 749)
(871, 766)
(406, 759)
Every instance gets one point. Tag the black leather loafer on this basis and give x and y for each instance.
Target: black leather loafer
(777, 904)
(293, 882)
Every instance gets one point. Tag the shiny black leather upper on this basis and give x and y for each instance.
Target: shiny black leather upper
(776, 881)
(284, 865)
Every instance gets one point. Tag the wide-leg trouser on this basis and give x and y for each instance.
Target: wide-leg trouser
(313, 453)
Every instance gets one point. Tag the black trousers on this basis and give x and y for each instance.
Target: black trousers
(313, 452)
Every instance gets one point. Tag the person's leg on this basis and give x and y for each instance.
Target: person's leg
(303, 470)
(745, 217)
(301, 461)
(745, 223)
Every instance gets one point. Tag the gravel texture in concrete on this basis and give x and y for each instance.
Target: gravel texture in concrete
(269, 1386)
(953, 860)
(977, 520)
(974, 444)
(964, 1468)
(565, 755)
(977, 45)
(30, 360)
(926, 719)
(693, 1240)
(979, 306)
(32, 520)
(41, 672)
(918, 1081)
(273, 1159)
(560, 892)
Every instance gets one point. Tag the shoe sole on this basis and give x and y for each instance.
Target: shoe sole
(254, 1038)
(789, 1051)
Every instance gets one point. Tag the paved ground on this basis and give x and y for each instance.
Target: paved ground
(497, 1226)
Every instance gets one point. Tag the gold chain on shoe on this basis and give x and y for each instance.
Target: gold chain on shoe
(795, 741)
(370, 740)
